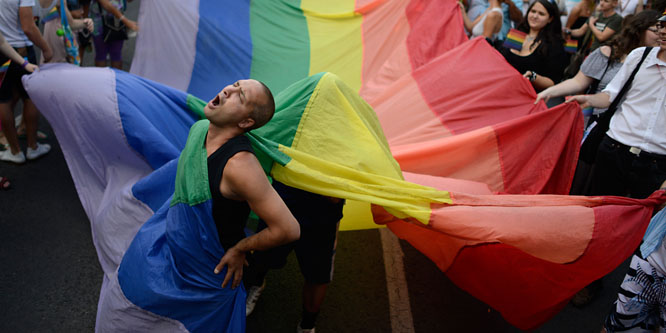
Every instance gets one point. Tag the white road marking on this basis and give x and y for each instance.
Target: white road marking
(396, 284)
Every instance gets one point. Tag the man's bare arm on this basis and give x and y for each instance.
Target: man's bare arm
(599, 100)
(244, 179)
(30, 30)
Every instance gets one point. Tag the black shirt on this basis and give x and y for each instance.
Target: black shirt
(230, 215)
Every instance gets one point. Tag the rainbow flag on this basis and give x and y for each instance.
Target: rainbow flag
(51, 15)
(451, 154)
(515, 39)
(5, 66)
(571, 45)
(3, 69)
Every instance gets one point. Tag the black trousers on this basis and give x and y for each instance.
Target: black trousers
(623, 173)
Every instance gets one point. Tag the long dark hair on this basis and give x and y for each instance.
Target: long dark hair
(551, 34)
(631, 35)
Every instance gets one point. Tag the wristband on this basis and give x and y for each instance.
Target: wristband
(533, 76)
(25, 63)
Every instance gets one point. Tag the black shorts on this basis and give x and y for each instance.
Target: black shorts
(12, 84)
(319, 218)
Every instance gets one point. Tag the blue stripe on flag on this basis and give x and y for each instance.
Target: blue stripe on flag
(156, 188)
(157, 136)
(168, 270)
(223, 46)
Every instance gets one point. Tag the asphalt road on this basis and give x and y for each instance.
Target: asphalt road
(50, 276)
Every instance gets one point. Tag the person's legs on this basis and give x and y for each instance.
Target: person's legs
(30, 117)
(8, 126)
(647, 175)
(101, 51)
(638, 304)
(316, 257)
(259, 263)
(612, 167)
(9, 91)
(115, 53)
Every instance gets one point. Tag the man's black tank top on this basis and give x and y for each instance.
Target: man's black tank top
(230, 215)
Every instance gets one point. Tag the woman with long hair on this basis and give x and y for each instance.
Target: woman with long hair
(603, 63)
(542, 58)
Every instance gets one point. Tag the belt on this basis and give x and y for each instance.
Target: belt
(637, 151)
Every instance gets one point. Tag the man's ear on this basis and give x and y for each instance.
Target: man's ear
(246, 123)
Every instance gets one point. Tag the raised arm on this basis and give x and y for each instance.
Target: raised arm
(515, 14)
(601, 36)
(573, 16)
(244, 179)
(467, 23)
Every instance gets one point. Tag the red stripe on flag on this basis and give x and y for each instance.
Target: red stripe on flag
(528, 291)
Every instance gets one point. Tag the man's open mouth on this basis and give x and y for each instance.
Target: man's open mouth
(216, 101)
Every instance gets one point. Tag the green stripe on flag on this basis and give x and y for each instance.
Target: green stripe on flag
(192, 174)
(196, 105)
(280, 43)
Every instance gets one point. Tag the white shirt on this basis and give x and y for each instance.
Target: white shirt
(10, 25)
(477, 30)
(627, 7)
(640, 120)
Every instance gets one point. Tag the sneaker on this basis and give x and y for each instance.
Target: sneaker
(253, 294)
(304, 330)
(7, 156)
(42, 148)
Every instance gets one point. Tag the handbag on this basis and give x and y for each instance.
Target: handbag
(588, 150)
(113, 29)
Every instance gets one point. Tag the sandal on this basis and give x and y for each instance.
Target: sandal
(4, 183)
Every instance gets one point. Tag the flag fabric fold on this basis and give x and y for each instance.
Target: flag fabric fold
(122, 136)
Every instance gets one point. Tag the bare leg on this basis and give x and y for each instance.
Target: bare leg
(30, 118)
(8, 127)
(117, 64)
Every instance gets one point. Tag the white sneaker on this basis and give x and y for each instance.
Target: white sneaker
(304, 330)
(253, 294)
(7, 156)
(40, 151)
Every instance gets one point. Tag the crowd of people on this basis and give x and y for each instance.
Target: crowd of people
(620, 83)
(20, 33)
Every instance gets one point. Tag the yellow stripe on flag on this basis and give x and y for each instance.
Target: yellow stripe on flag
(339, 150)
(336, 43)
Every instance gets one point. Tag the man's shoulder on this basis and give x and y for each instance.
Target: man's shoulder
(615, 19)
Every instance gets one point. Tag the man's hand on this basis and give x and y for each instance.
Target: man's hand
(31, 68)
(47, 54)
(131, 24)
(583, 100)
(591, 21)
(234, 260)
(90, 25)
